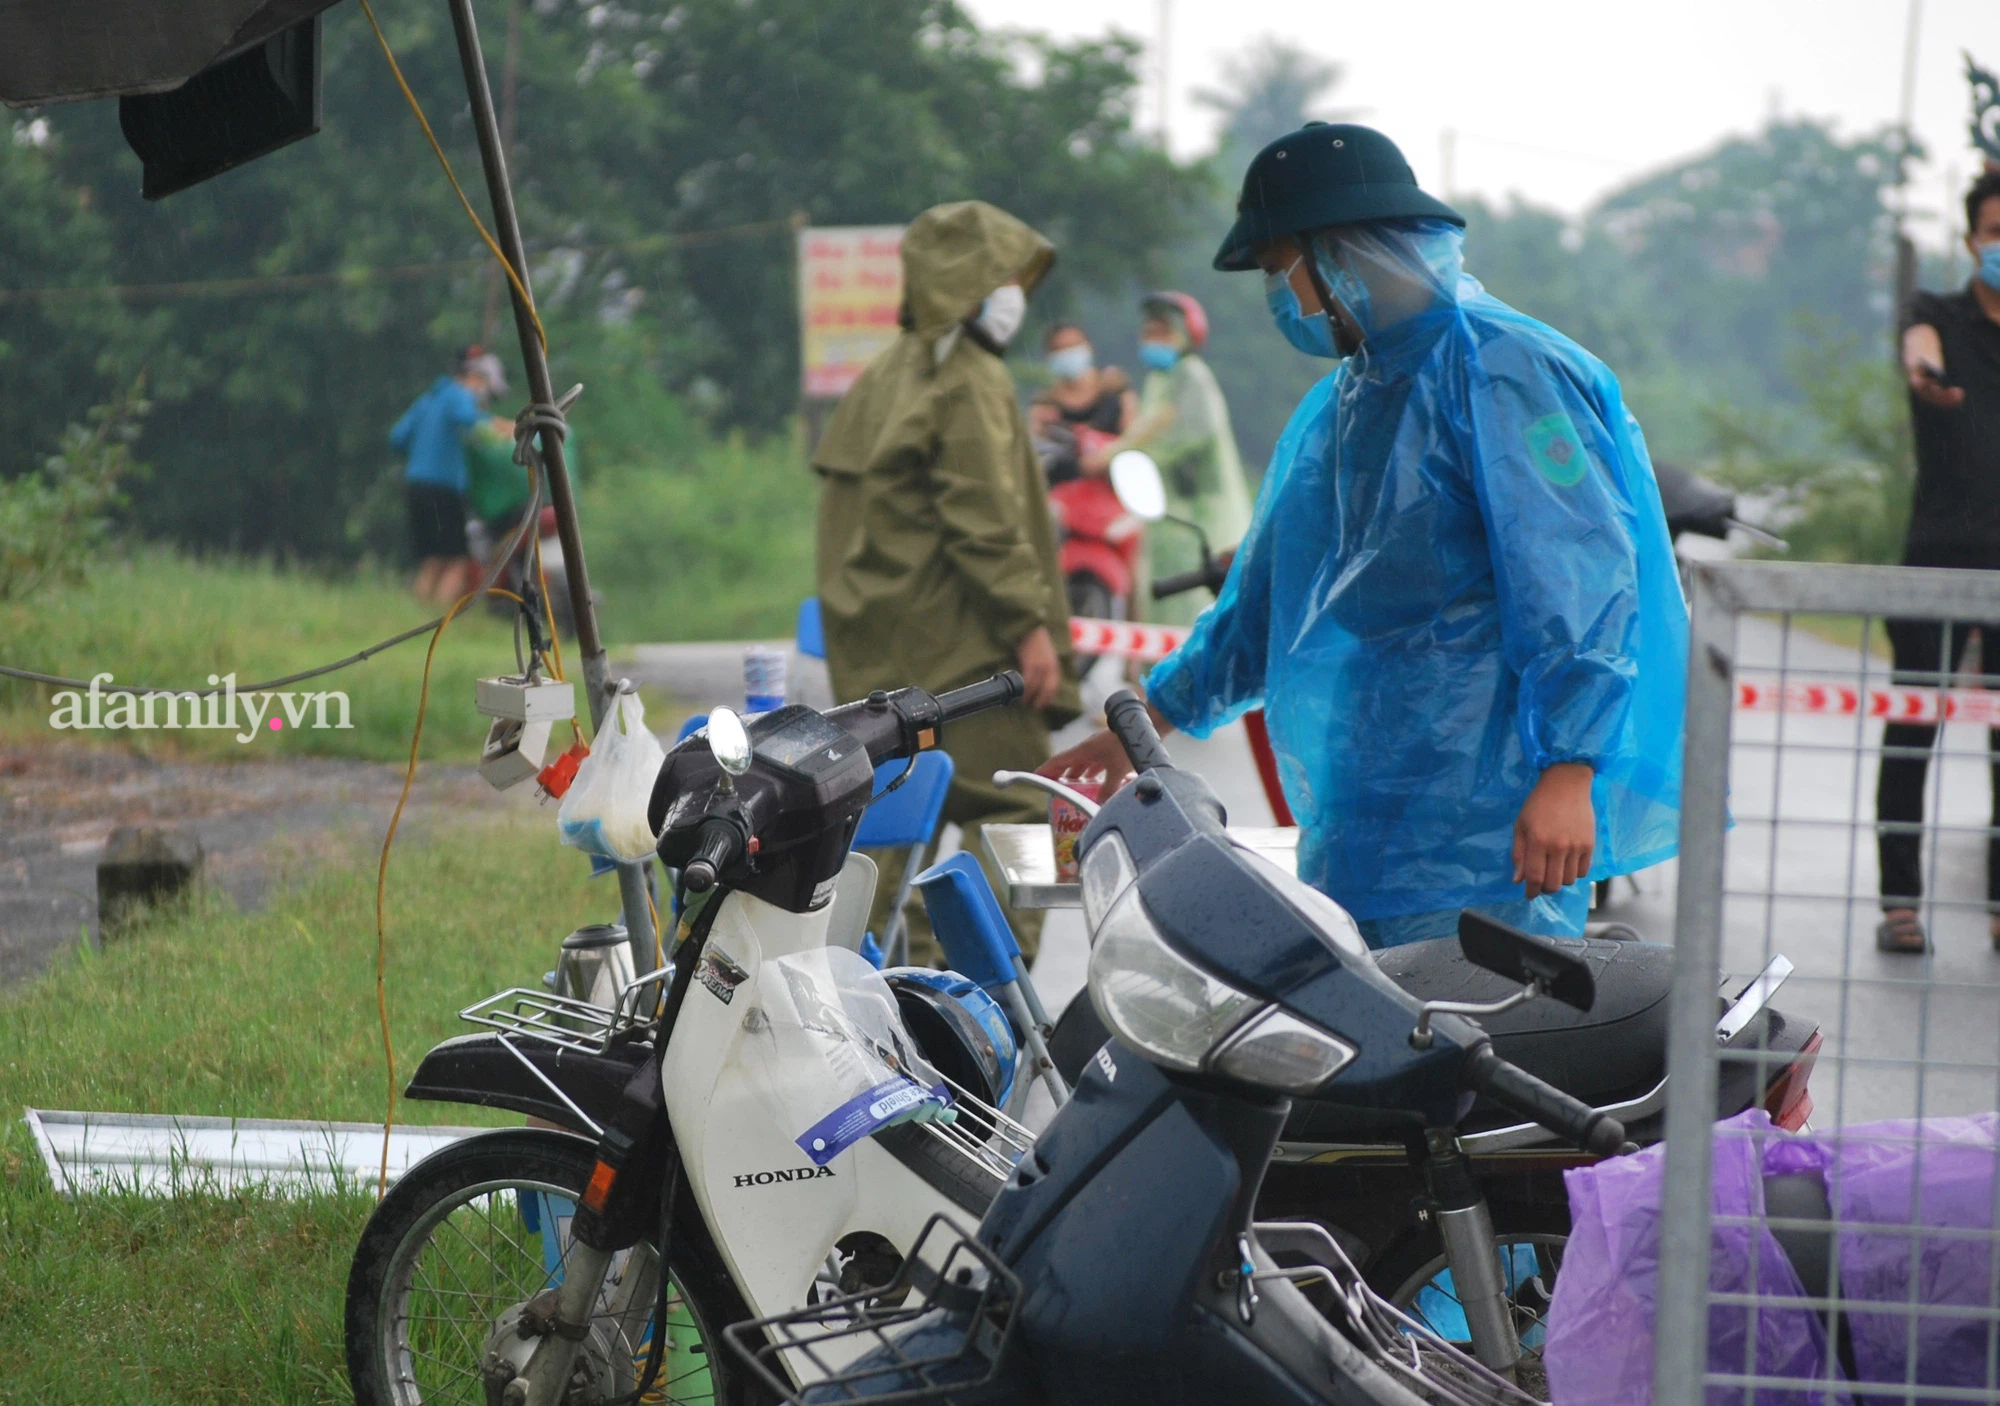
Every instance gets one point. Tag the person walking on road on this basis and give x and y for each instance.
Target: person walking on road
(937, 559)
(1183, 422)
(1951, 359)
(1457, 601)
(431, 437)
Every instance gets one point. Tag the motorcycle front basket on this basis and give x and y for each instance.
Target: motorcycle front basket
(938, 1328)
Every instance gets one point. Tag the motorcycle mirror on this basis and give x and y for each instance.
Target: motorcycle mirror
(1135, 478)
(729, 741)
(1523, 957)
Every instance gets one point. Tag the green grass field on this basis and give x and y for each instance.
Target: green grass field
(237, 1298)
(158, 619)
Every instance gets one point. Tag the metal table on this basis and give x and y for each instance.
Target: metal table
(1026, 856)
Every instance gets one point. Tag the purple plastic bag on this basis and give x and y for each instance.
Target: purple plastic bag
(1600, 1340)
(1939, 1172)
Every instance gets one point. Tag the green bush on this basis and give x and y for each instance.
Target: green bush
(53, 519)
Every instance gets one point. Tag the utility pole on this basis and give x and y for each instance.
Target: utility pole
(1165, 68)
(1448, 161)
(510, 88)
(599, 691)
(1906, 249)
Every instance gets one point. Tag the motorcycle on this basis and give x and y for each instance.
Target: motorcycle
(1123, 1261)
(670, 1182)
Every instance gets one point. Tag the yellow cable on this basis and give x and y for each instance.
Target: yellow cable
(513, 277)
(382, 876)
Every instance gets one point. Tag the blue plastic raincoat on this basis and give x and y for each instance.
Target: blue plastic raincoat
(1458, 574)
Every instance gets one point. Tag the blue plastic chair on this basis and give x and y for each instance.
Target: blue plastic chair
(978, 943)
(905, 819)
(811, 637)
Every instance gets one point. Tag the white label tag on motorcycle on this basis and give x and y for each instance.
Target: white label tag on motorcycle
(864, 1114)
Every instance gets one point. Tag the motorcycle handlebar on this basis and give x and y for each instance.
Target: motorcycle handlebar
(721, 842)
(1133, 726)
(1595, 1132)
(1210, 576)
(997, 692)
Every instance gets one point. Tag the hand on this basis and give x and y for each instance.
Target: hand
(1226, 558)
(1041, 667)
(1556, 834)
(1923, 367)
(1927, 383)
(1098, 752)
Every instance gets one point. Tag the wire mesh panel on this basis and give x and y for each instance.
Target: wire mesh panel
(1839, 812)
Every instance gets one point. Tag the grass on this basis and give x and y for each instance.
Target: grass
(719, 547)
(206, 1298)
(155, 618)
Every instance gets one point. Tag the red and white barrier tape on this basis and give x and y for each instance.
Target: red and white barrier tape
(1905, 705)
(1124, 639)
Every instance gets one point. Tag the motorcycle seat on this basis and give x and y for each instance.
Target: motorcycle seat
(1614, 1051)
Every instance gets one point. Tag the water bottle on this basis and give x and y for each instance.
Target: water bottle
(763, 678)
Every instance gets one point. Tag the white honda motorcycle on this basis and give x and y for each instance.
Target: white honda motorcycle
(763, 1123)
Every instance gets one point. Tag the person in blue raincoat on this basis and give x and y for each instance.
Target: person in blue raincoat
(1457, 602)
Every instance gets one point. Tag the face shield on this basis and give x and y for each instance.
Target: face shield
(1385, 272)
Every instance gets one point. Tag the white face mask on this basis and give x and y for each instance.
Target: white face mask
(1001, 315)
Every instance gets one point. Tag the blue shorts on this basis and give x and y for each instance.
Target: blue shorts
(1552, 915)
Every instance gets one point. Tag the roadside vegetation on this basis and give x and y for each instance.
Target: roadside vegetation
(212, 1298)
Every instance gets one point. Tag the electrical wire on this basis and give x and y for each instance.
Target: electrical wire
(513, 275)
(295, 282)
(382, 882)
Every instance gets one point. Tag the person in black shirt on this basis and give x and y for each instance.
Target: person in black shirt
(1951, 357)
(1081, 395)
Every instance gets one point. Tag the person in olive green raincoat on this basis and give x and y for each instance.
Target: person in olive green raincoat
(1183, 422)
(937, 556)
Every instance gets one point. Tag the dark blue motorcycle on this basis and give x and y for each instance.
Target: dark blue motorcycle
(1122, 1262)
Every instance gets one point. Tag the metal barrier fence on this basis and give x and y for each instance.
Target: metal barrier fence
(1793, 714)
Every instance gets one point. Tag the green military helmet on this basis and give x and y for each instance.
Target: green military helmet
(1326, 173)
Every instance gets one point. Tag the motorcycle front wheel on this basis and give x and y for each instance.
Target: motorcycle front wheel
(476, 1230)
(1415, 1277)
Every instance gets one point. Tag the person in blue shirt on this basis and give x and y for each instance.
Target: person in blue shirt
(431, 437)
(1457, 601)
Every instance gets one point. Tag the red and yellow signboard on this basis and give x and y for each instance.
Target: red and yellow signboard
(850, 289)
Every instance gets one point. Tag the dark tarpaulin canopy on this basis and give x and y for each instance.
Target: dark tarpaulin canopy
(62, 50)
(202, 85)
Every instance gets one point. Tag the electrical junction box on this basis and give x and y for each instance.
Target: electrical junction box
(526, 701)
(514, 751)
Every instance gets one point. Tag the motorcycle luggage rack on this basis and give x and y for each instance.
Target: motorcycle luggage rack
(848, 1348)
(982, 1134)
(569, 1023)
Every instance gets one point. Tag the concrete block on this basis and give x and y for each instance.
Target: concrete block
(143, 864)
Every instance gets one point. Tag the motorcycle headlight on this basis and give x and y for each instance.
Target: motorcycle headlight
(1153, 998)
(1106, 873)
(1280, 1051)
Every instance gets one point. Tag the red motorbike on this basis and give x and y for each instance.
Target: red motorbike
(1101, 538)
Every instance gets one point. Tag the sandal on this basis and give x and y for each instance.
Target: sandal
(1902, 933)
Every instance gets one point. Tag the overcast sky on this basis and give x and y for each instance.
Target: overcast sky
(1561, 100)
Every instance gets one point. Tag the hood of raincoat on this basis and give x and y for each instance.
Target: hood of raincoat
(956, 254)
(1458, 574)
(936, 552)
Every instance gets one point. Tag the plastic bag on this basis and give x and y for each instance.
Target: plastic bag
(832, 1056)
(604, 812)
(1880, 1177)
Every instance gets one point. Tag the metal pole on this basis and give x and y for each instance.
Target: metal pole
(1680, 1341)
(599, 690)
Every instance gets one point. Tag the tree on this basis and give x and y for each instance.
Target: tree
(1271, 87)
(663, 149)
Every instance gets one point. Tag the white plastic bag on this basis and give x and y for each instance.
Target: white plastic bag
(604, 812)
(831, 1056)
